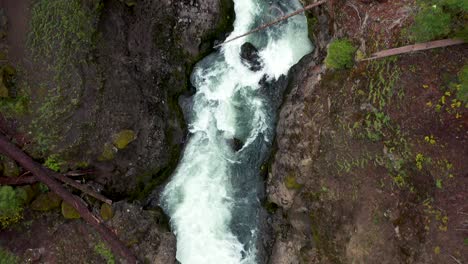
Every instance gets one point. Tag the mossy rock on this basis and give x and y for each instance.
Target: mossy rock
(30, 193)
(46, 202)
(291, 183)
(123, 138)
(69, 212)
(108, 152)
(10, 168)
(106, 212)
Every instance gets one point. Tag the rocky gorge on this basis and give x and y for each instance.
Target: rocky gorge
(342, 185)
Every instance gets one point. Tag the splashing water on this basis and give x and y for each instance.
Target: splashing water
(212, 198)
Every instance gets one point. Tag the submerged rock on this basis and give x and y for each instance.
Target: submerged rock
(250, 57)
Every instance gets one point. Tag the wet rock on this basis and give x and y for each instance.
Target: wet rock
(69, 212)
(32, 255)
(46, 202)
(236, 144)
(250, 57)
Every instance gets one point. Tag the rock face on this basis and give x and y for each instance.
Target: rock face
(130, 82)
(54, 239)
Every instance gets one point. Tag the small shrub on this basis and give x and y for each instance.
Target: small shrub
(11, 210)
(54, 162)
(431, 23)
(7, 258)
(102, 250)
(340, 54)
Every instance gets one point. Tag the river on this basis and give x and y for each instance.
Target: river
(213, 197)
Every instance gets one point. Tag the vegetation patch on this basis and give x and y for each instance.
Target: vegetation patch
(440, 18)
(11, 206)
(102, 250)
(340, 54)
(6, 257)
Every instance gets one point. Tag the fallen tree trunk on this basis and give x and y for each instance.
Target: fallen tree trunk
(12, 151)
(22, 180)
(18, 180)
(415, 47)
(267, 25)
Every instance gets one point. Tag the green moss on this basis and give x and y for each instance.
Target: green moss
(123, 138)
(108, 152)
(69, 212)
(6, 257)
(106, 212)
(46, 202)
(291, 183)
(340, 54)
(102, 250)
(11, 210)
(270, 207)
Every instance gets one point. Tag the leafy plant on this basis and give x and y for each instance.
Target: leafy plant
(431, 23)
(54, 162)
(104, 252)
(6, 257)
(11, 210)
(340, 54)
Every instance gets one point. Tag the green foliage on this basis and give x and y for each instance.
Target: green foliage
(10, 206)
(104, 252)
(7, 257)
(63, 32)
(340, 54)
(430, 23)
(440, 18)
(462, 89)
(54, 162)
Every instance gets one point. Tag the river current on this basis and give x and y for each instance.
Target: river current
(213, 197)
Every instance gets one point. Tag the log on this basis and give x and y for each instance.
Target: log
(15, 153)
(267, 25)
(18, 180)
(22, 180)
(415, 47)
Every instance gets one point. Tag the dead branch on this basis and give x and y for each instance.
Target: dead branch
(415, 47)
(18, 180)
(267, 25)
(12, 151)
(22, 180)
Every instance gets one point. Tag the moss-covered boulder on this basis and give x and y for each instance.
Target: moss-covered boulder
(46, 202)
(123, 138)
(69, 212)
(29, 193)
(10, 168)
(106, 211)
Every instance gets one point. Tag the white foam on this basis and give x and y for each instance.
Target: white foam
(199, 199)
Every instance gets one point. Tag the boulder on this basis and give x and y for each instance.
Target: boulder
(250, 57)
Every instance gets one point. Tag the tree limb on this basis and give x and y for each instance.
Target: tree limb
(415, 47)
(12, 151)
(267, 25)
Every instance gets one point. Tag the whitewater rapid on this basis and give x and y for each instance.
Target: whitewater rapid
(212, 198)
